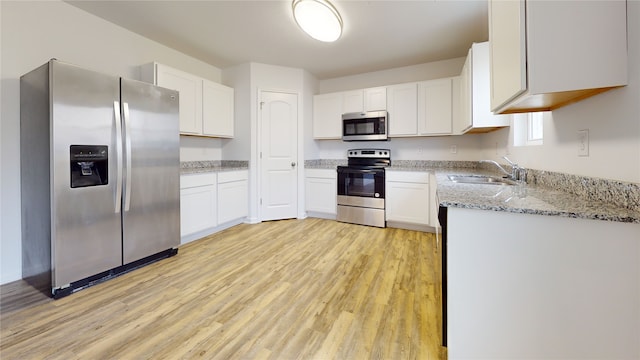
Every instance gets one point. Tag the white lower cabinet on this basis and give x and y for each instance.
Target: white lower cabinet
(197, 203)
(210, 202)
(408, 199)
(320, 192)
(233, 195)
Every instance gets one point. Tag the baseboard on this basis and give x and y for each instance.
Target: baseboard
(321, 215)
(409, 226)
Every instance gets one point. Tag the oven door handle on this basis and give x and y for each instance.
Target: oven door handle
(358, 171)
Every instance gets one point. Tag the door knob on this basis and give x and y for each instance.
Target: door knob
(293, 164)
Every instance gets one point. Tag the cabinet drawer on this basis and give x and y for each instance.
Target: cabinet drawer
(229, 176)
(195, 180)
(408, 176)
(321, 173)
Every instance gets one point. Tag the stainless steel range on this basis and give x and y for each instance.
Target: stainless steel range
(361, 187)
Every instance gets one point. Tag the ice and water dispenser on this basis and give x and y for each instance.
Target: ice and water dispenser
(89, 165)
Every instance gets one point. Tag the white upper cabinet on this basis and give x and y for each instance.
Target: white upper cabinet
(375, 99)
(328, 110)
(352, 101)
(475, 107)
(546, 54)
(424, 108)
(435, 107)
(402, 106)
(327, 116)
(217, 109)
(190, 89)
(206, 108)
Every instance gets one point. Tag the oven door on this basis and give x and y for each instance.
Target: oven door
(361, 196)
(361, 181)
(361, 186)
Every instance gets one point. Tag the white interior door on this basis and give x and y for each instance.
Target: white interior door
(278, 154)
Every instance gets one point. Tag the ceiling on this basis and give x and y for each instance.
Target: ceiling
(377, 35)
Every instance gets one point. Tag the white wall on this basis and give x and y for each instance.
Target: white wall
(427, 71)
(239, 77)
(194, 148)
(31, 34)
(468, 147)
(249, 80)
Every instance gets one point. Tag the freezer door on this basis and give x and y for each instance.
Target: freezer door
(85, 218)
(151, 201)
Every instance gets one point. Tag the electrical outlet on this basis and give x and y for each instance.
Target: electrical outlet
(583, 142)
(453, 149)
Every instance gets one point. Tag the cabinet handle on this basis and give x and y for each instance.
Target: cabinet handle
(293, 164)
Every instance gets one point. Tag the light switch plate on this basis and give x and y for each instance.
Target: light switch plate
(583, 142)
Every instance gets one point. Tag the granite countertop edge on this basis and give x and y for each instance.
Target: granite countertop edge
(530, 198)
(197, 167)
(526, 198)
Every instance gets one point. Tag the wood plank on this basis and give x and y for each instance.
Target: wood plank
(291, 289)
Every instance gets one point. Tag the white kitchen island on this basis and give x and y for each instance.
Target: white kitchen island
(536, 272)
(541, 287)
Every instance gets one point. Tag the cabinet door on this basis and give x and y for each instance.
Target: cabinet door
(435, 107)
(197, 209)
(190, 88)
(480, 89)
(407, 202)
(375, 99)
(402, 105)
(217, 109)
(327, 116)
(233, 201)
(464, 121)
(321, 194)
(507, 50)
(352, 101)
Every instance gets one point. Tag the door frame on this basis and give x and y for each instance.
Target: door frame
(299, 150)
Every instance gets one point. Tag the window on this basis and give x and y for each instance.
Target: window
(534, 128)
(528, 128)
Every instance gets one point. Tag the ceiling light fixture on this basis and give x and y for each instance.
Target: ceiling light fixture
(318, 18)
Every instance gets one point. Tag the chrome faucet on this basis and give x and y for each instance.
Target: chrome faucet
(517, 173)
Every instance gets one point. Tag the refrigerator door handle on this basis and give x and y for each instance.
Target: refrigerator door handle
(118, 198)
(127, 139)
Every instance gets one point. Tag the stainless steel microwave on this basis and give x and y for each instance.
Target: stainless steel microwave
(365, 126)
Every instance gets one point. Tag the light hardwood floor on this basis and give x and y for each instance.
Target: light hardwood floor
(290, 289)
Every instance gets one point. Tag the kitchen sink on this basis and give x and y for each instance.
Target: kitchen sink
(480, 179)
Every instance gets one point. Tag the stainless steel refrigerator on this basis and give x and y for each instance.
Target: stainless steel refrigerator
(99, 176)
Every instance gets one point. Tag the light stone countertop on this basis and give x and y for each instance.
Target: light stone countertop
(545, 193)
(195, 167)
(526, 199)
